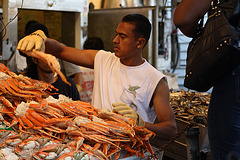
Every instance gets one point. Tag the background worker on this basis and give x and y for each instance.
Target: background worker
(18, 61)
(37, 69)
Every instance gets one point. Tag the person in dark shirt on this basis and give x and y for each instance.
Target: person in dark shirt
(224, 108)
(37, 69)
(65, 89)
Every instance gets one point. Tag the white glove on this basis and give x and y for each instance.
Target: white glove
(36, 41)
(127, 111)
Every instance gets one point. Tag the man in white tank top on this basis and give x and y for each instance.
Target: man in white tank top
(123, 76)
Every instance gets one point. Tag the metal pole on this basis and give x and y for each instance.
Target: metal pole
(192, 141)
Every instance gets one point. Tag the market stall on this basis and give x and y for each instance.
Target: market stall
(191, 142)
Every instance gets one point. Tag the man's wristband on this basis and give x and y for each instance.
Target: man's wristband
(37, 35)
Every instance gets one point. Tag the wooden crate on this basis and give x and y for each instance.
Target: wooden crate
(178, 149)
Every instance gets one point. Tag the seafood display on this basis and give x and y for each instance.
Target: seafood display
(21, 88)
(38, 126)
(187, 105)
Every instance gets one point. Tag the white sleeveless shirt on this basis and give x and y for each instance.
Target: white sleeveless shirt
(133, 85)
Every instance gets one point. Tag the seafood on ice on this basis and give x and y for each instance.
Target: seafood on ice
(43, 127)
(13, 86)
(52, 129)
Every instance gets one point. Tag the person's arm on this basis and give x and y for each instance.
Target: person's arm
(188, 13)
(79, 57)
(166, 128)
(38, 41)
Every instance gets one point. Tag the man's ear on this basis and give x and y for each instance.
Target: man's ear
(141, 42)
(35, 60)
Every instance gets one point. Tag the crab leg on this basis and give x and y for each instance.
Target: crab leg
(32, 119)
(127, 148)
(79, 105)
(20, 77)
(51, 113)
(47, 134)
(5, 84)
(56, 120)
(10, 113)
(55, 129)
(95, 128)
(3, 89)
(105, 147)
(79, 142)
(25, 120)
(117, 117)
(29, 143)
(72, 111)
(96, 152)
(36, 115)
(57, 108)
(3, 68)
(40, 106)
(12, 83)
(7, 103)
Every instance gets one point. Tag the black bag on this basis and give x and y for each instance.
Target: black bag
(214, 52)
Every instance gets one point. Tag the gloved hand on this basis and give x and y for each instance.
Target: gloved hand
(36, 41)
(127, 111)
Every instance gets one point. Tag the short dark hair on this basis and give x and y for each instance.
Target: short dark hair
(93, 43)
(142, 25)
(33, 26)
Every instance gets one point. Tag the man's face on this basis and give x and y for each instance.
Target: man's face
(125, 43)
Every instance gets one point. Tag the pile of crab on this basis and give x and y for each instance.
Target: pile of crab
(47, 128)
